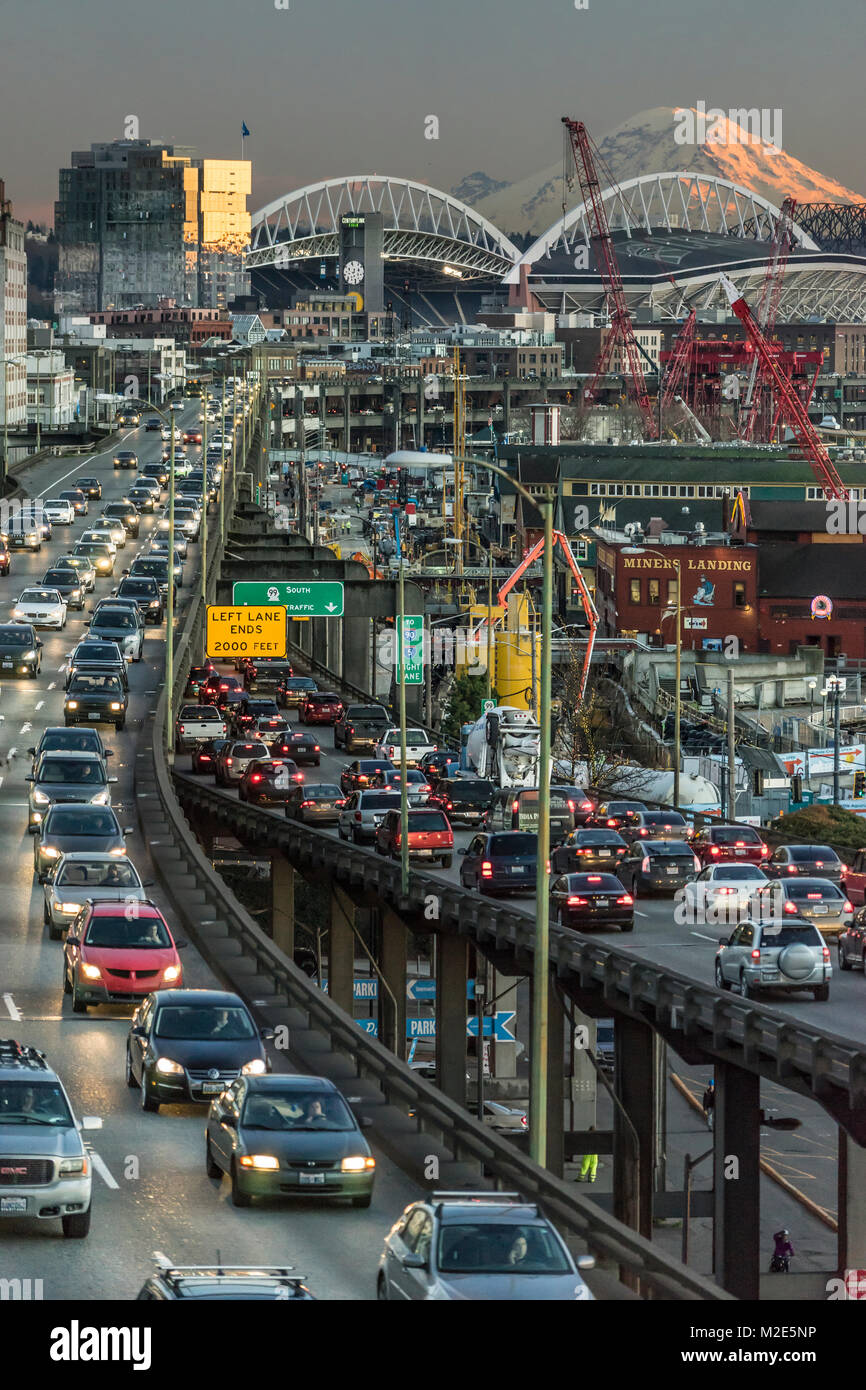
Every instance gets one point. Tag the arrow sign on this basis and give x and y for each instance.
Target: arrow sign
(495, 1027)
(316, 599)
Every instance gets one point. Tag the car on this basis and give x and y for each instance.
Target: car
(829, 422)
(489, 1246)
(714, 844)
(417, 786)
(152, 567)
(41, 607)
(657, 866)
(103, 535)
(62, 776)
(814, 899)
(417, 744)
(125, 458)
(126, 513)
(192, 436)
(293, 690)
(504, 862)
(153, 423)
(83, 568)
(96, 697)
(360, 727)
(516, 808)
(100, 657)
(24, 534)
(197, 677)
(505, 1119)
(45, 1172)
(187, 521)
(320, 707)
(59, 511)
(171, 1282)
(67, 829)
(119, 625)
(148, 483)
(363, 813)
(315, 803)
(435, 764)
(247, 711)
(788, 955)
(5, 555)
(722, 889)
(588, 849)
(580, 803)
(616, 815)
(99, 553)
(855, 878)
(268, 781)
(204, 755)
(114, 956)
(281, 1136)
(91, 487)
(81, 877)
(58, 739)
(661, 825)
(225, 693)
(67, 583)
(159, 546)
(143, 497)
(157, 471)
(20, 650)
(265, 673)
(304, 748)
(234, 759)
(580, 900)
(465, 800)
(851, 943)
(430, 836)
(146, 594)
(361, 772)
(190, 1044)
(814, 861)
(197, 724)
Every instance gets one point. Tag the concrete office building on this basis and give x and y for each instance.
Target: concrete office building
(13, 315)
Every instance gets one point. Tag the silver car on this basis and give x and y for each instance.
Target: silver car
(85, 570)
(235, 758)
(363, 813)
(82, 876)
(816, 900)
(781, 954)
(486, 1246)
(66, 776)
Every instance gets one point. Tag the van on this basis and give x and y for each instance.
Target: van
(516, 808)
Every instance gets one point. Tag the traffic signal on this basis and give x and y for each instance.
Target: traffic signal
(859, 784)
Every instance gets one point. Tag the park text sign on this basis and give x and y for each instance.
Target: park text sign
(235, 632)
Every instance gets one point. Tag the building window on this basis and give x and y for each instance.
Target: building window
(739, 595)
(634, 595)
(654, 591)
(672, 593)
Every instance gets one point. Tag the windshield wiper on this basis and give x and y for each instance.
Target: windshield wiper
(22, 1119)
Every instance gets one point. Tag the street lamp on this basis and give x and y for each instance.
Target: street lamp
(811, 685)
(833, 687)
(672, 559)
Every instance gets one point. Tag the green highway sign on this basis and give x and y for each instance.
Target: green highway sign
(413, 660)
(316, 599)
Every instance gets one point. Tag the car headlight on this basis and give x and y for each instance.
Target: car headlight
(115, 704)
(76, 593)
(29, 656)
(69, 909)
(72, 704)
(357, 1164)
(17, 612)
(254, 1068)
(260, 1161)
(167, 1066)
(91, 972)
(49, 852)
(171, 972)
(40, 799)
(100, 799)
(120, 850)
(70, 1167)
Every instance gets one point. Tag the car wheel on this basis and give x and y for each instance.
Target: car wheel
(627, 926)
(120, 726)
(213, 1168)
(844, 963)
(746, 990)
(46, 915)
(382, 1288)
(239, 1197)
(76, 1226)
(78, 1004)
(721, 982)
(55, 933)
(130, 1075)
(146, 1102)
(362, 1201)
(67, 987)
(446, 861)
(822, 993)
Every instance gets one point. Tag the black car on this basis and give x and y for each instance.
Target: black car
(432, 764)
(267, 673)
(658, 866)
(94, 656)
(268, 781)
(95, 697)
(588, 849)
(152, 567)
(126, 513)
(465, 800)
(153, 423)
(616, 815)
(851, 943)
(156, 470)
(171, 1283)
(20, 650)
(196, 679)
(204, 1038)
(580, 803)
(68, 584)
(59, 739)
(362, 771)
(503, 862)
(125, 458)
(248, 710)
(79, 827)
(147, 595)
(814, 861)
(91, 487)
(303, 747)
(78, 497)
(143, 498)
(204, 755)
(582, 900)
(316, 803)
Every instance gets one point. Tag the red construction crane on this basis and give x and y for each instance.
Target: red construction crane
(780, 249)
(621, 331)
(589, 608)
(678, 366)
(793, 411)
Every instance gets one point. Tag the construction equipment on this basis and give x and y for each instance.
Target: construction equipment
(771, 290)
(505, 745)
(792, 411)
(678, 367)
(586, 160)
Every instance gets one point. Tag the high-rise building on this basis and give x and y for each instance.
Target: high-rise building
(139, 220)
(13, 316)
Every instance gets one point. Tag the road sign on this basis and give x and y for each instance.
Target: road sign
(488, 705)
(413, 659)
(495, 1027)
(318, 599)
(234, 632)
(421, 989)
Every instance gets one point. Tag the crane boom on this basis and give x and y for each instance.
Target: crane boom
(792, 409)
(621, 328)
(768, 307)
(678, 365)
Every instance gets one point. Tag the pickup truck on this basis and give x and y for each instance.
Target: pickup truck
(417, 744)
(360, 727)
(195, 724)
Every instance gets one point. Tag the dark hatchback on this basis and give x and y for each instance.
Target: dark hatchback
(658, 866)
(267, 673)
(504, 862)
(303, 747)
(204, 755)
(661, 825)
(584, 900)
(434, 764)
(196, 679)
(20, 650)
(91, 487)
(68, 584)
(588, 849)
(465, 800)
(316, 803)
(147, 595)
(361, 772)
(268, 781)
(580, 803)
(95, 698)
(616, 815)
(814, 861)
(204, 1038)
(75, 829)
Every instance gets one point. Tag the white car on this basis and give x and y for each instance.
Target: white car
(58, 511)
(417, 745)
(723, 889)
(41, 607)
(108, 526)
(102, 537)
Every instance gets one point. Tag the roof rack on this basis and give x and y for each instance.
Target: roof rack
(14, 1053)
(202, 1270)
(484, 1195)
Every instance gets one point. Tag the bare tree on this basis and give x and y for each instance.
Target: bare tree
(591, 740)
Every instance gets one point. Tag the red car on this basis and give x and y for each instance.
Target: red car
(430, 836)
(721, 844)
(192, 436)
(321, 707)
(119, 952)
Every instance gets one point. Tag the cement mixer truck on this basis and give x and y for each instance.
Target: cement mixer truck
(504, 745)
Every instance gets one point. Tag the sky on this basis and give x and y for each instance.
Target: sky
(337, 87)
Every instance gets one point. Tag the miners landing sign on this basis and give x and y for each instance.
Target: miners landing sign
(694, 564)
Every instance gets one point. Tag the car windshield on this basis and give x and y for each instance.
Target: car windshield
(70, 740)
(65, 820)
(812, 852)
(72, 770)
(426, 820)
(594, 883)
(249, 750)
(321, 791)
(88, 874)
(15, 637)
(788, 935)
(297, 1110)
(103, 653)
(499, 1247)
(595, 837)
(57, 577)
(258, 707)
(121, 933)
(733, 835)
(379, 801)
(674, 818)
(113, 617)
(812, 891)
(137, 588)
(470, 791)
(33, 1102)
(89, 682)
(208, 1022)
(300, 683)
(200, 712)
(512, 846)
(671, 848)
(38, 596)
(154, 567)
(366, 712)
(738, 871)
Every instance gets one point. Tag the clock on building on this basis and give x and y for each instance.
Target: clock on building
(353, 272)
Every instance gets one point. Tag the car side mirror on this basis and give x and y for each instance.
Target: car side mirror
(268, 1034)
(228, 1119)
(463, 850)
(90, 1122)
(73, 941)
(136, 1031)
(30, 777)
(39, 643)
(411, 1260)
(723, 940)
(181, 945)
(32, 752)
(128, 830)
(113, 779)
(109, 753)
(365, 1121)
(585, 1262)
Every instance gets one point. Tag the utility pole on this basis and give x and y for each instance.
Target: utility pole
(204, 498)
(169, 619)
(489, 624)
(401, 675)
(539, 1043)
(732, 760)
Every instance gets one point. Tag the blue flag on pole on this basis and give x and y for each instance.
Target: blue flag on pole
(244, 130)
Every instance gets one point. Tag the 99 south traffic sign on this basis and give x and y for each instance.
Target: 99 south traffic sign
(236, 632)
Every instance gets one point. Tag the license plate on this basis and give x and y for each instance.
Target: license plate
(769, 974)
(671, 870)
(311, 1179)
(739, 851)
(326, 805)
(604, 854)
(10, 1204)
(602, 902)
(7, 665)
(377, 820)
(212, 1088)
(516, 869)
(821, 908)
(93, 716)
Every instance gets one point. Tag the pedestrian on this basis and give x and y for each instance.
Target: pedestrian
(708, 1101)
(589, 1164)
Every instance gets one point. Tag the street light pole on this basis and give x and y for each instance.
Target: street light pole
(539, 1046)
(204, 498)
(678, 690)
(401, 673)
(169, 620)
(489, 621)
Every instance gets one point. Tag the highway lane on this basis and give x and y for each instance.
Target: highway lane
(150, 1187)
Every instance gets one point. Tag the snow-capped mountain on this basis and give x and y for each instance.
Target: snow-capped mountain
(649, 143)
(477, 186)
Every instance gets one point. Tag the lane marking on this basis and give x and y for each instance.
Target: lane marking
(52, 686)
(12, 1008)
(39, 705)
(704, 938)
(103, 1170)
(638, 913)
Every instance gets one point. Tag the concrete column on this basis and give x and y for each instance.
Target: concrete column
(737, 1201)
(392, 963)
(341, 950)
(283, 904)
(852, 1204)
(356, 648)
(451, 975)
(633, 1153)
(555, 1078)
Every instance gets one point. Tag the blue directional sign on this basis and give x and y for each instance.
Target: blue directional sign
(369, 1025)
(495, 1027)
(362, 988)
(421, 989)
(420, 1027)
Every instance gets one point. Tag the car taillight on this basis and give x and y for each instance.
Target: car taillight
(571, 806)
(204, 757)
(360, 778)
(727, 891)
(791, 868)
(714, 849)
(813, 897)
(643, 831)
(297, 776)
(340, 802)
(586, 806)
(584, 850)
(739, 844)
(229, 762)
(256, 777)
(645, 865)
(626, 900)
(515, 806)
(621, 849)
(358, 816)
(756, 955)
(397, 839)
(182, 729)
(697, 863)
(765, 850)
(843, 870)
(790, 907)
(486, 869)
(316, 748)
(307, 803)
(350, 729)
(578, 902)
(612, 824)
(847, 906)
(449, 805)
(424, 787)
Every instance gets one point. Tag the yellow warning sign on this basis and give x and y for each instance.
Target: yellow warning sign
(234, 632)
